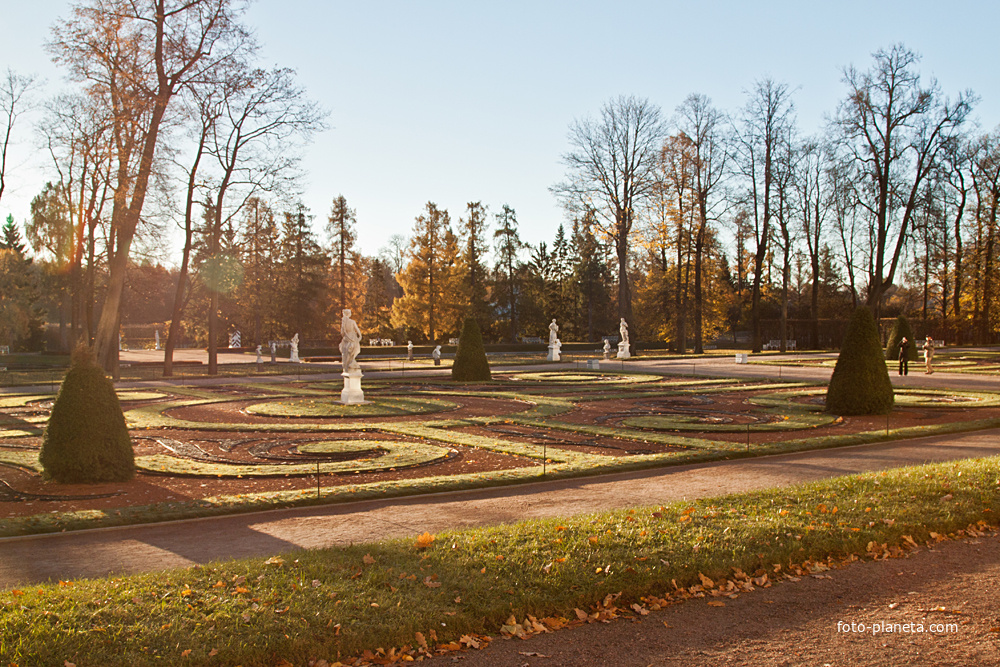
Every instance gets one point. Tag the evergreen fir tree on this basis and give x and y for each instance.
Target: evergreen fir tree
(507, 272)
(12, 237)
(472, 229)
(860, 384)
(259, 304)
(347, 275)
(303, 269)
(590, 283)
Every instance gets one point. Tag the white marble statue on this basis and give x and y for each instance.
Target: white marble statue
(607, 349)
(555, 345)
(350, 343)
(436, 355)
(293, 356)
(259, 358)
(350, 347)
(409, 350)
(623, 345)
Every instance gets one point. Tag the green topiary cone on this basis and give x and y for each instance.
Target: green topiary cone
(470, 359)
(86, 440)
(860, 384)
(900, 329)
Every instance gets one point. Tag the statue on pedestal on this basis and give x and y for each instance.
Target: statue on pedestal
(293, 356)
(350, 343)
(555, 345)
(350, 347)
(623, 345)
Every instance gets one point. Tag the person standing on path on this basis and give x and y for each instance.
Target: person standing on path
(928, 354)
(904, 357)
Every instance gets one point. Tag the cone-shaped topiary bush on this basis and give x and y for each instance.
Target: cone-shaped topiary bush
(900, 329)
(86, 440)
(860, 384)
(470, 359)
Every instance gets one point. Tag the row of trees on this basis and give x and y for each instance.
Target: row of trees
(713, 221)
(895, 184)
(687, 227)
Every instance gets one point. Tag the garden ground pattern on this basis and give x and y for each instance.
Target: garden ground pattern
(237, 446)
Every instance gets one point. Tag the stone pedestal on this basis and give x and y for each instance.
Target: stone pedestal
(352, 393)
(623, 352)
(554, 351)
(293, 357)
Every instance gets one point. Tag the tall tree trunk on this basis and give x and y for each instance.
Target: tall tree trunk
(699, 248)
(125, 220)
(814, 304)
(624, 292)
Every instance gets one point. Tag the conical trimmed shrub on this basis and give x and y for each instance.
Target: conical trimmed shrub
(470, 359)
(900, 329)
(86, 440)
(860, 384)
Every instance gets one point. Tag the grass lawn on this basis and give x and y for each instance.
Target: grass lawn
(405, 599)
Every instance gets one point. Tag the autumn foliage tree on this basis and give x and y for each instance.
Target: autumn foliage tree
(431, 289)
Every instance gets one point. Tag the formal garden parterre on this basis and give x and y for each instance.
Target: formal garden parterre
(239, 447)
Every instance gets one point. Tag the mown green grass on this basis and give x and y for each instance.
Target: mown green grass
(339, 602)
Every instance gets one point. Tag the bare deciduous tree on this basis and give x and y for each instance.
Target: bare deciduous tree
(14, 91)
(703, 125)
(894, 130)
(612, 168)
(764, 127)
(136, 56)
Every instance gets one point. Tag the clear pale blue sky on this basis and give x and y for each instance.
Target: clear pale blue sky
(462, 101)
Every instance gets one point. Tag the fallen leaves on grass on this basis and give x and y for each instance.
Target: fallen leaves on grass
(425, 540)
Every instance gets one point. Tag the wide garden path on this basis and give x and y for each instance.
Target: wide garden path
(95, 553)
